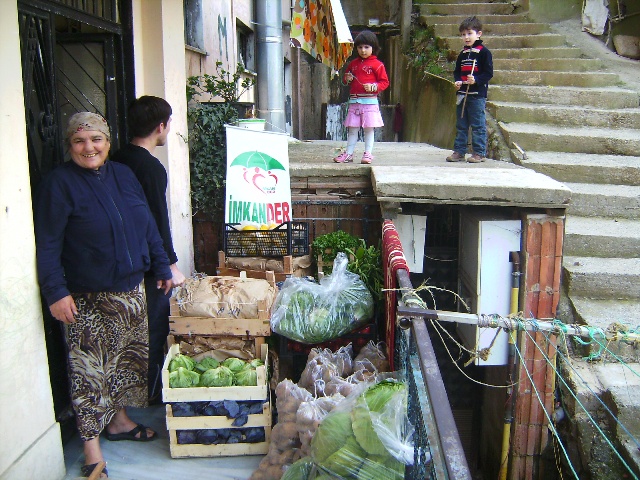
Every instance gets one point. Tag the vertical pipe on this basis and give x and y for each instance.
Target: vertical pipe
(508, 414)
(270, 63)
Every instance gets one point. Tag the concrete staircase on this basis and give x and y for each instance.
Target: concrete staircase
(576, 122)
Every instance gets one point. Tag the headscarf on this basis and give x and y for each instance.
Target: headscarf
(87, 121)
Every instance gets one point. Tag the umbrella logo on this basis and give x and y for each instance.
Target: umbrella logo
(257, 170)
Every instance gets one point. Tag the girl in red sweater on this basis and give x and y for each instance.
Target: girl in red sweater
(367, 77)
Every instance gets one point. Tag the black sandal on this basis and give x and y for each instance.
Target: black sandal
(87, 470)
(131, 435)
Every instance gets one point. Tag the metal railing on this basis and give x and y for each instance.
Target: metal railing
(438, 453)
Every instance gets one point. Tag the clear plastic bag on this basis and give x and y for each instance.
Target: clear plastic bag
(367, 437)
(309, 312)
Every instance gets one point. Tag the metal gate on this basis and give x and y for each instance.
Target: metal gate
(73, 59)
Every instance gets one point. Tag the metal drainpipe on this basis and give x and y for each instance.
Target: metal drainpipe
(270, 63)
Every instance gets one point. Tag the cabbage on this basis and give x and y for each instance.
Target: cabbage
(183, 378)
(378, 395)
(347, 460)
(217, 377)
(181, 361)
(300, 470)
(246, 378)
(234, 364)
(332, 434)
(375, 468)
(206, 363)
(256, 362)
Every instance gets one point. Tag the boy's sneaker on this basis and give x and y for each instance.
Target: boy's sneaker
(475, 158)
(366, 158)
(455, 157)
(344, 157)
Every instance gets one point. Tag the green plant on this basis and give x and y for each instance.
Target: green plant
(207, 136)
(330, 244)
(223, 84)
(429, 53)
(367, 263)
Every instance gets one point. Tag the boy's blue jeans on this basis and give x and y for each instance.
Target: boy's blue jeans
(473, 117)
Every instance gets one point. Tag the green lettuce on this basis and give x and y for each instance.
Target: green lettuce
(332, 434)
(205, 364)
(234, 364)
(181, 361)
(246, 378)
(183, 378)
(217, 377)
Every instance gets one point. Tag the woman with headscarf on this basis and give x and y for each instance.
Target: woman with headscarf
(95, 238)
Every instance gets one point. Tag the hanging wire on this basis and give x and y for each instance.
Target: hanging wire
(604, 405)
(595, 423)
(552, 427)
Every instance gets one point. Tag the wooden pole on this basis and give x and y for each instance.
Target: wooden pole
(466, 94)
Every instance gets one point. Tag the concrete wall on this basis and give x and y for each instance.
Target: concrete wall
(428, 103)
(554, 10)
(31, 446)
(359, 12)
(159, 52)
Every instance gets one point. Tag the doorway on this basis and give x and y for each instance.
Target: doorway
(74, 58)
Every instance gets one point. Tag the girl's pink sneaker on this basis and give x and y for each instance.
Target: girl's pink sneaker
(344, 157)
(366, 158)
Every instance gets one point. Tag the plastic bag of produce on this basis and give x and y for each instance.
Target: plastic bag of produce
(313, 313)
(366, 437)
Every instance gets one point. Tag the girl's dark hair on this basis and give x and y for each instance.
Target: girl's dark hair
(367, 37)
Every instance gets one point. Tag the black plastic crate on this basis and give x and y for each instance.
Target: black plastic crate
(289, 238)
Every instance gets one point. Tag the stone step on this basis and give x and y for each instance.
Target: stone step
(456, 19)
(606, 97)
(548, 64)
(467, 9)
(564, 79)
(555, 52)
(453, 29)
(603, 141)
(515, 41)
(602, 278)
(565, 115)
(602, 237)
(603, 314)
(582, 167)
(600, 200)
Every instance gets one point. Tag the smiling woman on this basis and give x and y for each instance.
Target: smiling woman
(95, 238)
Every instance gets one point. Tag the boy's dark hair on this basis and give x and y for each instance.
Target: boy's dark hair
(367, 37)
(471, 23)
(146, 113)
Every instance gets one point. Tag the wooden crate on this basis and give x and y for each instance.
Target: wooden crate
(207, 394)
(223, 450)
(268, 275)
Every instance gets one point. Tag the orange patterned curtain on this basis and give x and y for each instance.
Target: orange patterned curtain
(320, 28)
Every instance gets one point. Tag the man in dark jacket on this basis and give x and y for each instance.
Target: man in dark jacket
(149, 124)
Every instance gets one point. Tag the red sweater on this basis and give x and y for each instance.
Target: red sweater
(367, 70)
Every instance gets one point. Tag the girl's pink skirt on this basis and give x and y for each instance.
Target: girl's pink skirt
(365, 116)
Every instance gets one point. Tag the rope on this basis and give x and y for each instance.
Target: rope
(593, 421)
(552, 427)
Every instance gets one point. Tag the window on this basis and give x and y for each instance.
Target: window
(193, 24)
(246, 47)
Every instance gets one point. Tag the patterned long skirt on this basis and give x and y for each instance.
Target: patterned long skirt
(108, 356)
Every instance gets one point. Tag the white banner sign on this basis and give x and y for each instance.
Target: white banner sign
(258, 187)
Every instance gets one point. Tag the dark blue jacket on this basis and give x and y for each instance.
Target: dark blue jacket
(94, 232)
(482, 72)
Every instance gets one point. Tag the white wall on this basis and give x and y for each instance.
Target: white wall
(159, 56)
(31, 446)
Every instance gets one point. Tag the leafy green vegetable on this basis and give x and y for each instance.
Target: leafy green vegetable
(347, 460)
(183, 378)
(205, 364)
(376, 468)
(330, 244)
(181, 361)
(300, 470)
(234, 364)
(378, 395)
(332, 434)
(246, 378)
(364, 431)
(217, 377)
(256, 362)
